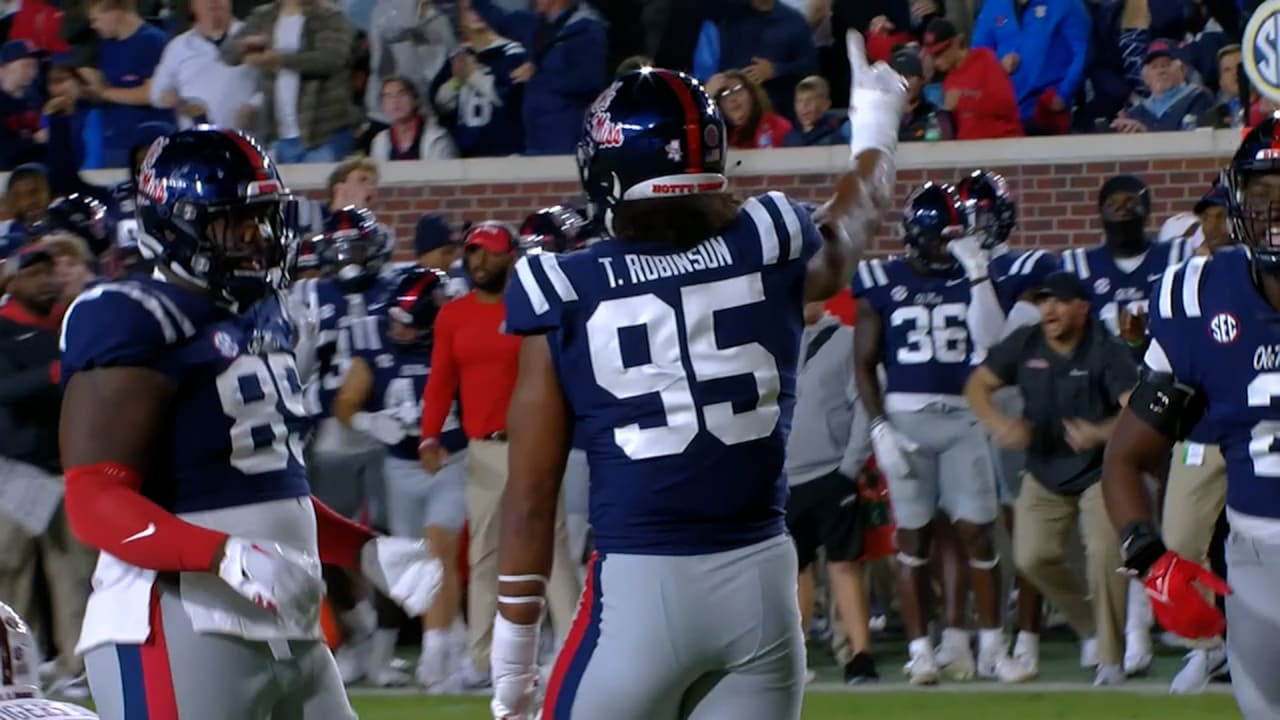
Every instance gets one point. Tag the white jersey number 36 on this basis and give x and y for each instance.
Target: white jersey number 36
(670, 354)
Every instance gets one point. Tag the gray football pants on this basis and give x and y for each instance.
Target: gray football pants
(703, 637)
(951, 471)
(1253, 625)
(179, 674)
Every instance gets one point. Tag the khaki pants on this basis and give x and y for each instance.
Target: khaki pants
(68, 568)
(1043, 521)
(1194, 498)
(486, 479)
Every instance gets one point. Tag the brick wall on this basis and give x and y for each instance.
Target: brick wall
(1057, 202)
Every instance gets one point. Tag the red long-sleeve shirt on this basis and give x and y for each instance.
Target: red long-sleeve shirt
(472, 353)
(987, 107)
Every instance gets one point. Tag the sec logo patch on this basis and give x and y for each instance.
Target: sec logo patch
(1224, 328)
(1261, 49)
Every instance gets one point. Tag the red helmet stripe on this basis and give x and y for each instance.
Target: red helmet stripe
(415, 291)
(251, 153)
(692, 129)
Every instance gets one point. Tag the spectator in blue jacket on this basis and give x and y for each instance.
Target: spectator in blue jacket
(566, 70)
(1172, 103)
(769, 42)
(1043, 45)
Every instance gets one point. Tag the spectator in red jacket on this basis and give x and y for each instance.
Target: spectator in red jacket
(976, 91)
(40, 24)
(748, 115)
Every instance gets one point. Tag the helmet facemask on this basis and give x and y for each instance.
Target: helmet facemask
(1253, 206)
(242, 249)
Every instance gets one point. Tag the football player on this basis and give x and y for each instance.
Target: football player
(1213, 359)
(381, 396)
(1014, 277)
(675, 343)
(912, 315)
(1121, 273)
(345, 467)
(180, 439)
(20, 695)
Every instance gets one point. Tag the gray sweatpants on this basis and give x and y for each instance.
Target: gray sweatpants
(1253, 625)
(1007, 464)
(350, 483)
(951, 471)
(179, 674)
(703, 637)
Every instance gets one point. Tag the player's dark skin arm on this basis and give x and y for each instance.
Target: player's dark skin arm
(538, 435)
(356, 388)
(1134, 450)
(846, 221)
(115, 415)
(867, 337)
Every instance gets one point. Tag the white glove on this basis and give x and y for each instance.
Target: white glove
(409, 414)
(281, 580)
(385, 427)
(513, 668)
(972, 256)
(890, 447)
(876, 98)
(403, 570)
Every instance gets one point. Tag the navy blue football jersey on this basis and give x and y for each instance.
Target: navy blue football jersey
(484, 114)
(1212, 329)
(234, 434)
(350, 321)
(1111, 288)
(400, 375)
(925, 344)
(1013, 273)
(679, 368)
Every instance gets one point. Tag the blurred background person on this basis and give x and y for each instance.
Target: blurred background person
(478, 95)
(748, 114)
(412, 132)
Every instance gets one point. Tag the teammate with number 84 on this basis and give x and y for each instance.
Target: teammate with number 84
(180, 436)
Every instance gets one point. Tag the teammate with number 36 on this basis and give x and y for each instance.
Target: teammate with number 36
(181, 442)
(1215, 353)
(674, 342)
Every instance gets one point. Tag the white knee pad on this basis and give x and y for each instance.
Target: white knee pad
(912, 560)
(985, 564)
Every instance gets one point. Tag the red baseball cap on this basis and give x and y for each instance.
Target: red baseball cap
(494, 237)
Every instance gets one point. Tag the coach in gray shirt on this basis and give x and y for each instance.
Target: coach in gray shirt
(825, 454)
(1075, 377)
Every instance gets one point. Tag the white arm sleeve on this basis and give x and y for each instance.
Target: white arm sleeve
(985, 318)
(1021, 315)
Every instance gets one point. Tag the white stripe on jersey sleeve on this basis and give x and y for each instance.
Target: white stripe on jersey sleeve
(1029, 261)
(1164, 303)
(188, 329)
(1016, 267)
(877, 270)
(1069, 261)
(1191, 286)
(1156, 359)
(764, 228)
(864, 274)
(537, 300)
(791, 221)
(559, 281)
(1082, 263)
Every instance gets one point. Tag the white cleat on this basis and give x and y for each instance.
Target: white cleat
(1018, 668)
(388, 677)
(1202, 666)
(955, 661)
(989, 663)
(1109, 676)
(352, 659)
(922, 668)
(1137, 652)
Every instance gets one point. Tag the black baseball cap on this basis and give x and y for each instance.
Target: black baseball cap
(25, 258)
(432, 232)
(1062, 285)
(906, 62)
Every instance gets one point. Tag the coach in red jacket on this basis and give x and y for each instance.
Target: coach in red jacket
(977, 90)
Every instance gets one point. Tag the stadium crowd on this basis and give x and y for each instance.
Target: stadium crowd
(90, 84)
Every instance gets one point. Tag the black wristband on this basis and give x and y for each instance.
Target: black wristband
(1140, 546)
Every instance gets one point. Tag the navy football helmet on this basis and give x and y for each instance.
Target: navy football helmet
(651, 134)
(990, 202)
(416, 299)
(1252, 183)
(933, 216)
(353, 247)
(554, 229)
(211, 206)
(82, 216)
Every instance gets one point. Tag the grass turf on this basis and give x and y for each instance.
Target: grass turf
(1102, 705)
